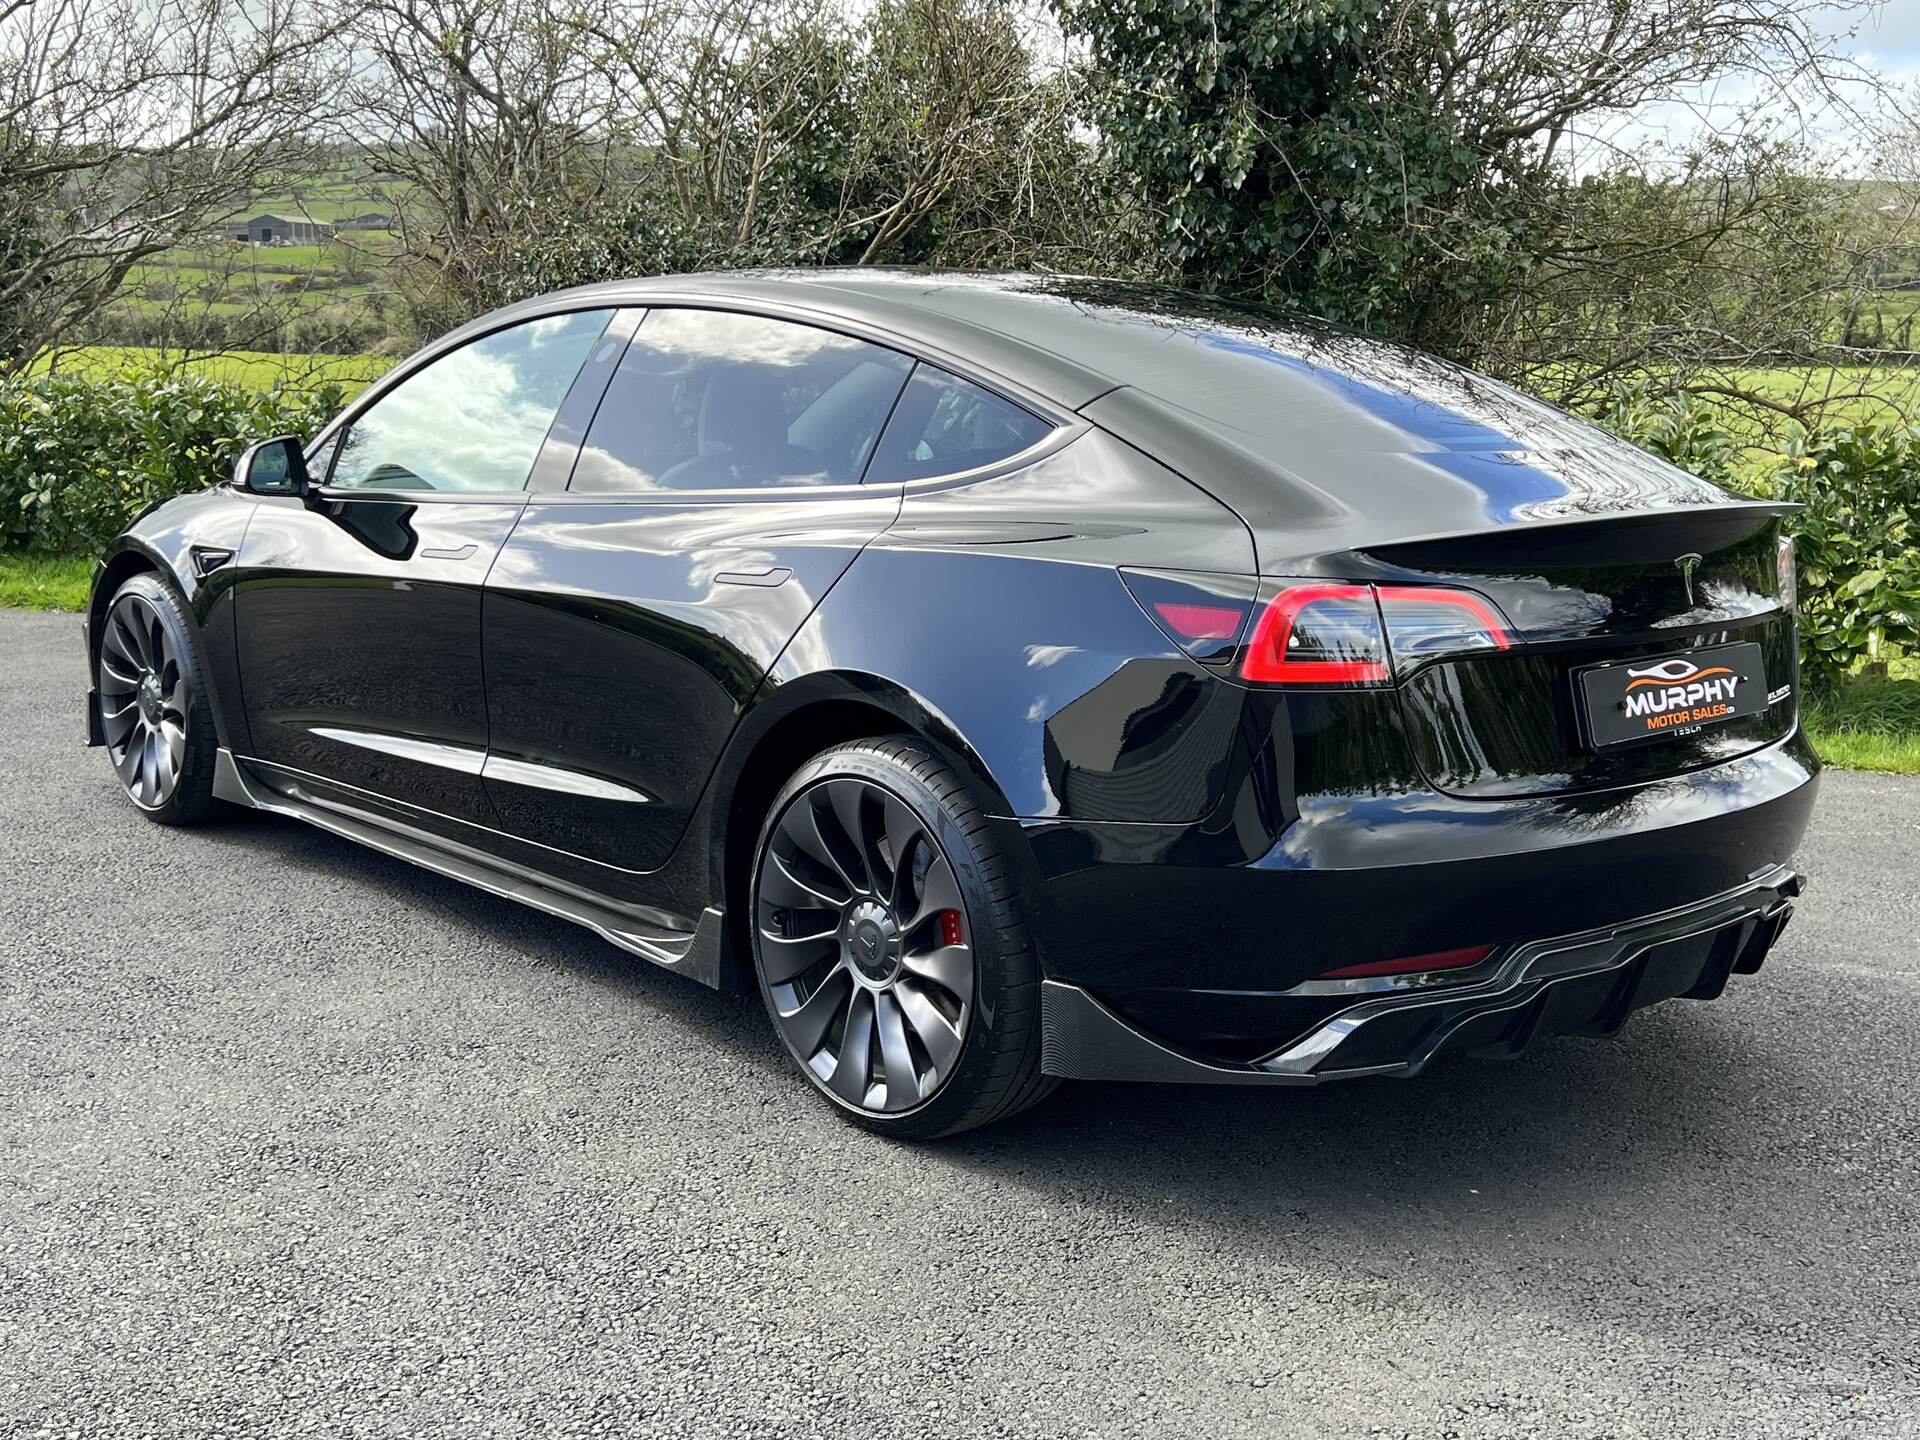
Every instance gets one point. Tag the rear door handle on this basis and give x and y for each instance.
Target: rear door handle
(767, 578)
(459, 552)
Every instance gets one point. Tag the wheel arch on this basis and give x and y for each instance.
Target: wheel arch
(124, 559)
(132, 555)
(786, 729)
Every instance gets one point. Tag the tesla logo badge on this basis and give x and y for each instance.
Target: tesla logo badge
(1686, 564)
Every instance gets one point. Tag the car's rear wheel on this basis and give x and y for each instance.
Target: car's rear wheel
(889, 945)
(154, 712)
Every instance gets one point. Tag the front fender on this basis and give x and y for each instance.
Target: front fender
(177, 539)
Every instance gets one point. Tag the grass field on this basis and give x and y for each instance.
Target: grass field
(259, 368)
(31, 581)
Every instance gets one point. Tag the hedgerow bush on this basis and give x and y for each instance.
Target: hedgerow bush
(81, 456)
(1859, 569)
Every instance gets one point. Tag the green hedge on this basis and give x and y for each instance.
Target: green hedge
(80, 456)
(1858, 566)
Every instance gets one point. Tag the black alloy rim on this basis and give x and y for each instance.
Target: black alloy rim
(863, 942)
(143, 702)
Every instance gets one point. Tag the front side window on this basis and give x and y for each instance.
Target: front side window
(945, 425)
(473, 419)
(712, 400)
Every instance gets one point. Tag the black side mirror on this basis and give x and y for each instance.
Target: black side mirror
(273, 467)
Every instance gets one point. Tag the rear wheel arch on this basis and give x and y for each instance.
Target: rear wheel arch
(805, 718)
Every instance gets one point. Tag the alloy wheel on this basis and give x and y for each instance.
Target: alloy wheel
(143, 701)
(863, 941)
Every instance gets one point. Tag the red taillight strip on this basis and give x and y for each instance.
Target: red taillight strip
(1411, 964)
(1491, 622)
(1266, 657)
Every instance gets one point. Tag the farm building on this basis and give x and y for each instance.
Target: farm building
(283, 229)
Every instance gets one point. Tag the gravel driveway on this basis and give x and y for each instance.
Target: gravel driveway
(299, 1139)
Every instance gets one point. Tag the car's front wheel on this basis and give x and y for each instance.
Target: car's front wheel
(889, 945)
(154, 711)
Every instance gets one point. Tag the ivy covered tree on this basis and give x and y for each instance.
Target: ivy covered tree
(1394, 165)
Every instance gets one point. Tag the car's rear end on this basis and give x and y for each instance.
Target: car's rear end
(1519, 751)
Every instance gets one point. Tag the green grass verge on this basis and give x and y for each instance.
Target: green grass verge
(1871, 722)
(33, 581)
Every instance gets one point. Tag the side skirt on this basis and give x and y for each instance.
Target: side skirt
(697, 953)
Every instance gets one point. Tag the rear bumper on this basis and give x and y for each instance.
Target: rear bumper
(1581, 984)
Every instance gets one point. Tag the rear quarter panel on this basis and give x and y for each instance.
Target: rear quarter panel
(999, 608)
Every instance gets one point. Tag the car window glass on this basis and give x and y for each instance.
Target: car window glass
(711, 400)
(945, 425)
(473, 419)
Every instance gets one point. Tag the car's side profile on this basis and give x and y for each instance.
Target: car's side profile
(1009, 678)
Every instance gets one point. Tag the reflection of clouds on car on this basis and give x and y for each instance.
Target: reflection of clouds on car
(476, 419)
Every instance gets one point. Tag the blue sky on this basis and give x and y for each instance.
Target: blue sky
(1883, 41)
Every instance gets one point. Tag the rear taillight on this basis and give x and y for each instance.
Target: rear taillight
(1346, 635)
(1426, 620)
(1203, 614)
(1318, 635)
(1326, 633)
(1786, 575)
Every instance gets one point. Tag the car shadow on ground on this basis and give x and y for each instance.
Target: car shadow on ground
(1577, 1125)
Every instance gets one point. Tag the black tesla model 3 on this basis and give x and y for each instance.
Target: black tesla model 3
(1008, 677)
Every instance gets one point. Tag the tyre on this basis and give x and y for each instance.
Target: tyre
(889, 946)
(154, 710)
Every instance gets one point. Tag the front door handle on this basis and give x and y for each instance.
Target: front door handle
(459, 552)
(767, 578)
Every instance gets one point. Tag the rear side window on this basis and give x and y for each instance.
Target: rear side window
(945, 425)
(475, 418)
(711, 400)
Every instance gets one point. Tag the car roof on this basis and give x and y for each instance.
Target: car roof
(1296, 424)
(1237, 369)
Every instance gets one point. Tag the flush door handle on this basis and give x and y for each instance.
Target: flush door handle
(454, 552)
(767, 578)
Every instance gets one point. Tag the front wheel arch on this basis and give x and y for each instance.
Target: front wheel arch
(118, 567)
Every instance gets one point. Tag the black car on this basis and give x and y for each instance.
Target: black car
(1009, 677)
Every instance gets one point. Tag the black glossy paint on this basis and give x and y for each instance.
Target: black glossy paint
(623, 639)
(358, 637)
(579, 689)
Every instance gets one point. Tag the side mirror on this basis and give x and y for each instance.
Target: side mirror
(273, 467)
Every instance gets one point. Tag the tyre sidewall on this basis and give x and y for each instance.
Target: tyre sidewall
(192, 798)
(1001, 956)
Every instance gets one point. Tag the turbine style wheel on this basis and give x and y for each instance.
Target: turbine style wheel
(153, 707)
(889, 951)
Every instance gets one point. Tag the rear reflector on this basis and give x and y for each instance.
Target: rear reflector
(1411, 964)
(1202, 622)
